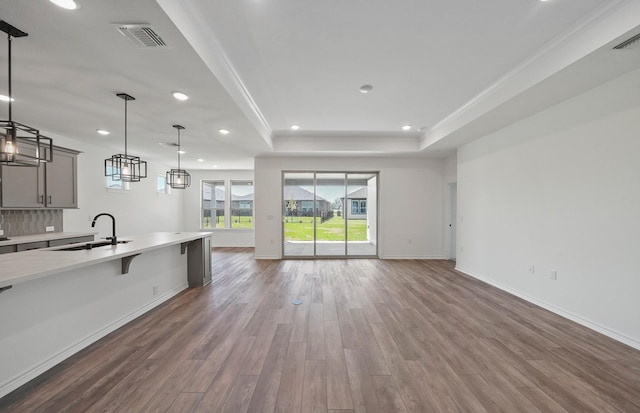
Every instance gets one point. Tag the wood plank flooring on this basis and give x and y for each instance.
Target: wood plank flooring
(370, 336)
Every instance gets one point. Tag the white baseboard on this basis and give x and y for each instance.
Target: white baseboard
(21, 379)
(412, 257)
(557, 310)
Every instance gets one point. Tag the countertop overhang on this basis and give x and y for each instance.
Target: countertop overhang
(25, 266)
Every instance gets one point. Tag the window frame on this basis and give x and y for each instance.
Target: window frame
(213, 210)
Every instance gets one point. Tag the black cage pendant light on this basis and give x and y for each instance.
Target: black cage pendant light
(20, 145)
(125, 167)
(178, 178)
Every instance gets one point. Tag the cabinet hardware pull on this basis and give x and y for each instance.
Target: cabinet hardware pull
(49, 197)
(41, 199)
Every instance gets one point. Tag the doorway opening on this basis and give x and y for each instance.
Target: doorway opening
(330, 214)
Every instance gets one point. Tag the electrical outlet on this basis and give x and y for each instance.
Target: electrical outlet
(50, 229)
(532, 269)
(1, 232)
(553, 275)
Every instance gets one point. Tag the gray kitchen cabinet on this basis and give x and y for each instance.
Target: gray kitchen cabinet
(199, 262)
(56, 242)
(67, 241)
(27, 246)
(51, 185)
(61, 183)
(22, 187)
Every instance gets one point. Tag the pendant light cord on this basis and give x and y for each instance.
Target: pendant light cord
(178, 148)
(10, 94)
(125, 126)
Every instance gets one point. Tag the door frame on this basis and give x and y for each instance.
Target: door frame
(346, 228)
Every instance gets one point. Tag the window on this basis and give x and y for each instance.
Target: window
(241, 204)
(113, 184)
(358, 207)
(162, 185)
(213, 196)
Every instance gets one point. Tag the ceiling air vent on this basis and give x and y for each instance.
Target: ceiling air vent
(142, 34)
(632, 43)
(168, 144)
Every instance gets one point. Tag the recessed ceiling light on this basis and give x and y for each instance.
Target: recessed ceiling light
(181, 152)
(65, 4)
(5, 98)
(180, 96)
(294, 127)
(215, 166)
(224, 131)
(406, 127)
(366, 88)
(103, 132)
(200, 160)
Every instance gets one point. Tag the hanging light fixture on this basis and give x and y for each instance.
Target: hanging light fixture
(125, 167)
(178, 178)
(20, 145)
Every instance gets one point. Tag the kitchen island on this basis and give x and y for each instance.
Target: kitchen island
(55, 302)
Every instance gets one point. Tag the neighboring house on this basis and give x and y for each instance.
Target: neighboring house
(242, 205)
(302, 200)
(356, 205)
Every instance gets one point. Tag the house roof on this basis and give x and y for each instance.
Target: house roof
(358, 193)
(300, 194)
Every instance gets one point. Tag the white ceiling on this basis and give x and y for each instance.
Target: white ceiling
(455, 69)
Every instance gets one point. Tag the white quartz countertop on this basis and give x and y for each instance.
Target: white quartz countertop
(25, 266)
(44, 237)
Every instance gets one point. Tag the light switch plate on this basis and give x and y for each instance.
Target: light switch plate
(50, 229)
(1, 232)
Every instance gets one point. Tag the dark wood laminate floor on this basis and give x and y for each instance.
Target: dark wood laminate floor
(370, 336)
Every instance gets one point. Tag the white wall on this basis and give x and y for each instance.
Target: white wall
(137, 211)
(560, 191)
(192, 207)
(406, 184)
(44, 321)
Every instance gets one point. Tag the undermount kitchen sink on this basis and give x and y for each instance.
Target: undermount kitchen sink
(89, 246)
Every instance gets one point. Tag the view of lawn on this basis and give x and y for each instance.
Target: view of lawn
(206, 222)
(301, 229)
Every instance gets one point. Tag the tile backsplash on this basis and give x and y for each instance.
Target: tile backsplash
(17, 222)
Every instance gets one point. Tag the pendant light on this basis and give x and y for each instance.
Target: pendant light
(125, 167)
(20, 145)
(178, 178)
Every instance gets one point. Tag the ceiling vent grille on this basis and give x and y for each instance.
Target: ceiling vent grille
(632, 43)
(142, 34)
(168, 144)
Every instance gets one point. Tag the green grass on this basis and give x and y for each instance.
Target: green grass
(206, 222)
(241, 222)
(301, 229)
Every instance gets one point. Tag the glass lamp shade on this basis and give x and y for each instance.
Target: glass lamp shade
(28, 149)
(125, 168)
(178, 179)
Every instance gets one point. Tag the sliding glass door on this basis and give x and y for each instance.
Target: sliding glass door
(330, 214)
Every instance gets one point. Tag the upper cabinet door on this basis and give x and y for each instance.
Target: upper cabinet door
(61, 180)
(22, 187)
